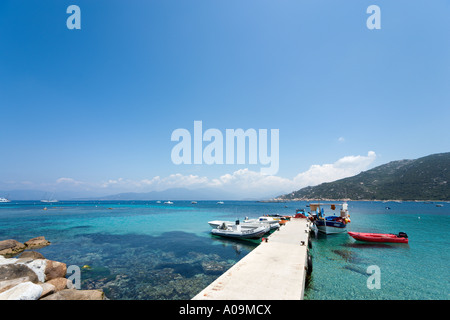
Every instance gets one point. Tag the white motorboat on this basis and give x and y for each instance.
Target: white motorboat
(168, 202)
(4, 200)
(220, 202)
(237, 231)
(230, 224)
(271, 222)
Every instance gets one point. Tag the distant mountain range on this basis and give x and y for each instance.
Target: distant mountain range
(169, 194)
(426, 178)
(172, 194)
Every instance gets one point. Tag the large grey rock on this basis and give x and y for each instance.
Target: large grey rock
(38, 266)
(23, 291)
(14, 271)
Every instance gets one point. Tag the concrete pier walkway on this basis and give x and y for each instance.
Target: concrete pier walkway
(275, 270)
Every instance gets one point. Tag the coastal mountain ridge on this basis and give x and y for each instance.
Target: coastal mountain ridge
(426, 178)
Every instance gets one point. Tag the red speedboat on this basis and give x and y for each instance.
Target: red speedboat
(380, 237)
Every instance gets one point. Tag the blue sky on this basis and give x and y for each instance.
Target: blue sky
(93, 109)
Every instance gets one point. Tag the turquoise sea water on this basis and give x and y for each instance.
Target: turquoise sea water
(145, 250)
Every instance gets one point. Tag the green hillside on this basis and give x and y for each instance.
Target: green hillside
(426, 178)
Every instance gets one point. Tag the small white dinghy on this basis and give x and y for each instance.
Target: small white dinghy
(236, 231)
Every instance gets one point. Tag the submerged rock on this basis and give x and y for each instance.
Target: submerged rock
(348, 256)
(355, 269)
(214, 267)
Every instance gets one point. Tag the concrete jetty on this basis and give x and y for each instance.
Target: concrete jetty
(275, 270)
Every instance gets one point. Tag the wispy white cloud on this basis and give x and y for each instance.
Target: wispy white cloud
(68, 181)
(157, 183)
(345, 167)
(253, 183)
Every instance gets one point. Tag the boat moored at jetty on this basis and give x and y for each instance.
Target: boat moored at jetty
(300, 213)
(246, 224)
(329, 224)
(271, 222)
(237, 231)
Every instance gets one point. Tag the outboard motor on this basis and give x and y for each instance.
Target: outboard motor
(402, 235)
(238, 226)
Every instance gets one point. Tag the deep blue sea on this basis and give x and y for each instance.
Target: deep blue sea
(146, 250)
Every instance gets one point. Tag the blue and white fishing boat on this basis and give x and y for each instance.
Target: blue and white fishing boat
(329, 224)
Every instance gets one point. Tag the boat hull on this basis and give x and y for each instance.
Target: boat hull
(377, 237)
(273, 224)
(248, 224)
(330, 227)
(240, 234)
(218, 223)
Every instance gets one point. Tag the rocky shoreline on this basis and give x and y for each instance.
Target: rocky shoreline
(31, 276)
(282, 200)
